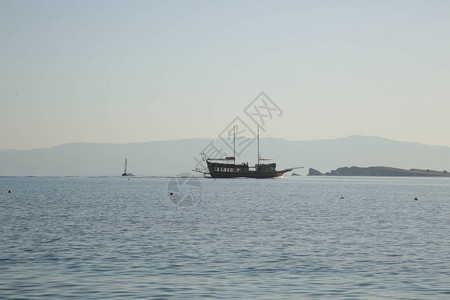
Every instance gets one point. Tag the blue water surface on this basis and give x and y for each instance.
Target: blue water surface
(294, 237)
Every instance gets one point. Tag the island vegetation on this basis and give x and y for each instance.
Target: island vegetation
(379, 171)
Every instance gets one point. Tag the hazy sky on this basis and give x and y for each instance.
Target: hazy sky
(135, 71)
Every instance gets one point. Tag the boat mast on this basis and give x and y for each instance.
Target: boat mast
(234, 144)
(258, 144)
(125, 166)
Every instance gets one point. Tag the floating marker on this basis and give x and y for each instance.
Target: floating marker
(9, 192)
(342, 197)
(416, 198)
(171, 194)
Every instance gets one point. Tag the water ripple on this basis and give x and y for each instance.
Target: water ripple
(290, 238)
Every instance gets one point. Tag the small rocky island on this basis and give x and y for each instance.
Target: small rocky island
(379, 171)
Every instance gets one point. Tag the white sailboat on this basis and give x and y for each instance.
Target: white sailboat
(125, 170)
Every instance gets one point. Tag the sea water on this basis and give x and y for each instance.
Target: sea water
(294, 237)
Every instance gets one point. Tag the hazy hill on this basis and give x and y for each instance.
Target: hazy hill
(173, 157)
(380, 171)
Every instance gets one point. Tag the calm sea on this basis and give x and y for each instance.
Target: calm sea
(295, 237)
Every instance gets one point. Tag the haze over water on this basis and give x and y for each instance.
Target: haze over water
(109, 237)
(137, 71)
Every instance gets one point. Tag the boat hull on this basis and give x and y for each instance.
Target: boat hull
(247, 175)
(224, 170)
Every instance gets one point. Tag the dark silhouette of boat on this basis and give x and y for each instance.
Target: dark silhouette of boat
(227, 167)
(125, 170)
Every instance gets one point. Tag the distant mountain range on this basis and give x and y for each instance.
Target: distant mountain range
(174, 157)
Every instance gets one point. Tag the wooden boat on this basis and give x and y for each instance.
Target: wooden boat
(227, 167)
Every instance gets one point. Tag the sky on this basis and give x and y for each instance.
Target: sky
(138, 71)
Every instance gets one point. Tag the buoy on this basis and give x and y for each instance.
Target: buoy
(171, 194)
(9, 192)
(416, 198)
(342, 197)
